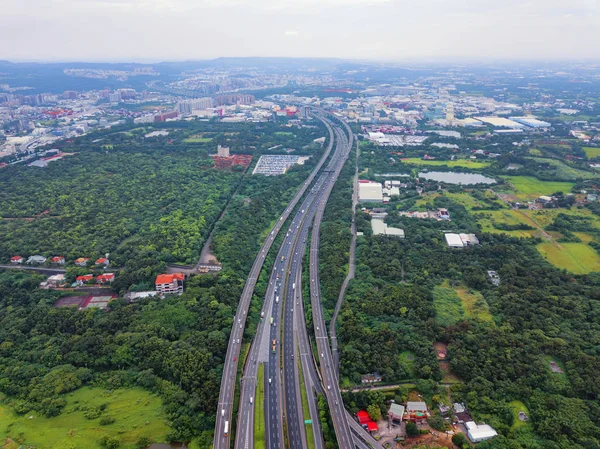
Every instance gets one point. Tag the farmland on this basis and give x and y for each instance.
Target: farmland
(592, 152)
(528, 187)
(136, 414)
(578, 258)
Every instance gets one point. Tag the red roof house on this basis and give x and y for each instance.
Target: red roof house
(102, 261)
(82, 261)
(83, 279)
(170, 283)
(60, 260)
(363, 416)
(16, 259)
(104, 278)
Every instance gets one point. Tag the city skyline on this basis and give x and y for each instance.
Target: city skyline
(386, 30)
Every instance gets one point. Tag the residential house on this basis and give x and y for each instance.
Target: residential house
(54, 281)
(396, 412)
(16, 260)
(370, 378)
(103, 261)
(170, 283)
(416, 411)
(81, 280)
(105, 278)
(443, 214)
(38, 260)
(58, 260)
(82, 261)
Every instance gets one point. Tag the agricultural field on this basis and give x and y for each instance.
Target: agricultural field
(136, 413)
(464, 163)
(577, 258)
(562, 171)
(592, 152)
(493, 221)
(529, 188)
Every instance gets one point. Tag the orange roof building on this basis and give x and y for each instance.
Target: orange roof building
(104, 278)
(170, 284)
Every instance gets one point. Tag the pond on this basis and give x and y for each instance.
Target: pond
(450, 177)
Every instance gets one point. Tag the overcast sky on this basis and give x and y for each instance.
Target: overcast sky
(154, 30)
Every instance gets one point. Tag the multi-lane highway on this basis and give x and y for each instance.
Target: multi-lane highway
(282, 333)
(226, 395)
(281, 288)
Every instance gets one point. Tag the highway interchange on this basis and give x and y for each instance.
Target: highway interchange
(282, 332)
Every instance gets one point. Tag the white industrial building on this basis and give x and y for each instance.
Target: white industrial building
(370, 192)
(479, 432)
(381, 228)
(531, 122)
(460, 240)
(500, 122)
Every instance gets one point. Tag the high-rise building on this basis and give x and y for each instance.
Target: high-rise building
(222, 151)
(187, 106)
(450, 112)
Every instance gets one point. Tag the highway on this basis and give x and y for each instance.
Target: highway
(228, 380)
(282, 333)
(280, 285)
(327, 366)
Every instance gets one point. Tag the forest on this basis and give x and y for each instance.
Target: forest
(538, 313)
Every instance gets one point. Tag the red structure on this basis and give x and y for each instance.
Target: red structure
(222, 163)
(365, 420)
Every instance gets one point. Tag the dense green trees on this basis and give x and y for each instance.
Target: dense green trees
(538, 312)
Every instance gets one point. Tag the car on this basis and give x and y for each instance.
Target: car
(269, 380)
(329, 387)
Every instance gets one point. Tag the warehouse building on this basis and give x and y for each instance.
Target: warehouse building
(479, 432)
(370, 192)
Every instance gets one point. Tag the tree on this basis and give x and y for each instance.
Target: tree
(460, 441)
(374, 412)
(411, 429)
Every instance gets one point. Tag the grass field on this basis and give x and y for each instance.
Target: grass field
(198, 139)
(259, 410)
(544, 217)
(535, 152)
(517, 407)
(284, 133)
(474, 304)
(591, 152)
(487, 219)
(465, 163)
(530, 187)
(447, 305)
(136, 412)
(407, 360)
(578, 258)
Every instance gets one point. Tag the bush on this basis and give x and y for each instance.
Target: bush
(438, 423)
(110, 442)
(106, 420)
(460, 440)
(411, 429)
(144, 441)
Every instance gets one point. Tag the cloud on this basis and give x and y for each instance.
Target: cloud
(292, 33)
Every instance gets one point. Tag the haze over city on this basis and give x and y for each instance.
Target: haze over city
(154, 30)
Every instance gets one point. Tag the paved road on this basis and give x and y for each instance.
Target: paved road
(293, 404)
(34, 268)
(227, 391)
(328, 368)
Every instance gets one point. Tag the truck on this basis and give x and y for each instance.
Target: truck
(277, 300)
(271, 320)
(226, 429)
(262, 314)
(282, 258)
(274, 343)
